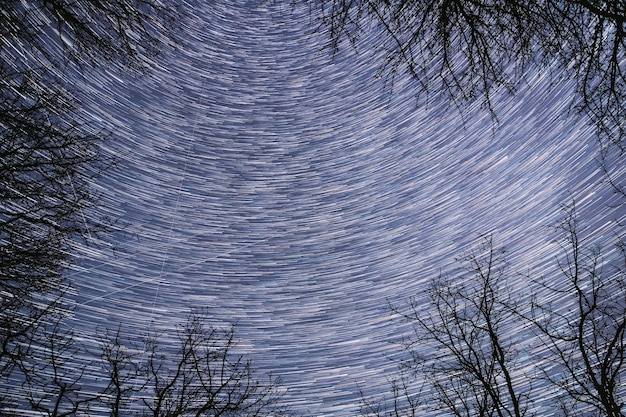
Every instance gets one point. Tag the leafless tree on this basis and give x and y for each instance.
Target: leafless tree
(462, 358)
(122, 362)
(196, 374)
(46, 163)
(478, 349)
(43, 375)
(49, 153)
(405, 396)
(87, 32)
(468, 49)
(199, 376)
(586, 349)
(53, 385)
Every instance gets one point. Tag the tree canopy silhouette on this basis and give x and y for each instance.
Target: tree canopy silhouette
(468, 49)
(50, 152)
(93, 32)
(196, 373)
(480, 348)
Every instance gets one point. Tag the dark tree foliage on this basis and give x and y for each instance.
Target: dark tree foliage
(468, 49)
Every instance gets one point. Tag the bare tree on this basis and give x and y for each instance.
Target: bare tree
(49, 153)
(405, 397)
(462, 350)
(199, 376)
(91, 32)
(53, 385)
(480, 350)
(468, 49)
(122, 362)
(46, 163)
(586, 349)
(43, 375)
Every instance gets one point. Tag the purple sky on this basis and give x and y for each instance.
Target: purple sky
(272, 185)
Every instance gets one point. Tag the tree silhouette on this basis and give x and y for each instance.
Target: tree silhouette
(585, 343)
(478, 349)
(53, 384)
(46, 162)
(460, 360)
(197, 375)
(49, 154)
(203, 377)
(468, 49)
(87, 32)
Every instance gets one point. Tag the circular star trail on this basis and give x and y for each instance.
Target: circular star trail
(271, 184)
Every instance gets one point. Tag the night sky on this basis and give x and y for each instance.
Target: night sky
(270, 184)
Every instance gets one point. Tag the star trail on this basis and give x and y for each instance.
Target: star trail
(295, 193)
